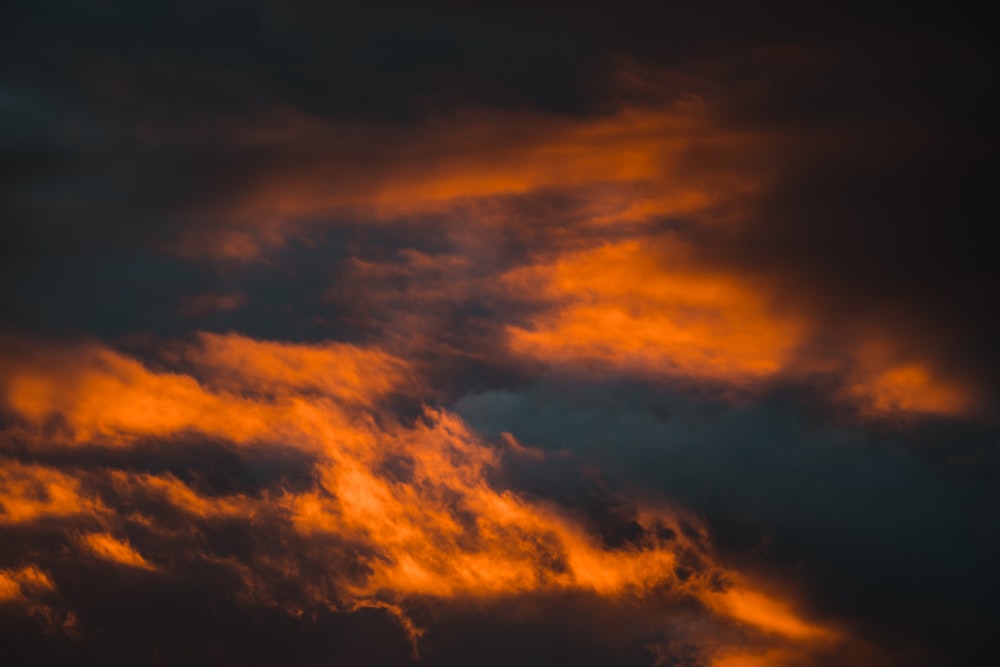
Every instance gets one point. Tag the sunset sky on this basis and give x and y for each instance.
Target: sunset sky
(498, 333)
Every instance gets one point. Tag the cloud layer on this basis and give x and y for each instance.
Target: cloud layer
(495, 333)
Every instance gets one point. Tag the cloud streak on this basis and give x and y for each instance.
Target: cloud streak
(408, 511)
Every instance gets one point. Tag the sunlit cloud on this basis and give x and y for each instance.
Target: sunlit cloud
(634, 307)
(114, 550)
(650, 308)
(408, 511)
(17, 585)
(632, 166)
(31, 493)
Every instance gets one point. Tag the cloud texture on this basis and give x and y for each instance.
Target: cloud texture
(493, 334)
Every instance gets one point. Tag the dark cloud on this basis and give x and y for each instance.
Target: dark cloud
(877, 530)
(427, 179)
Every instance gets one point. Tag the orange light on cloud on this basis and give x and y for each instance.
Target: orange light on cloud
(772, 657)
(315, 168)
(415, 501)
(446, 532)
(480, 154)
(112, 549)
(625, 306)
(174, 492)
(911, 388)
(767, 614)
(18, 585)
(105, 397)
(348, 373)
(31, 493)
(109, 397)
(645, 307)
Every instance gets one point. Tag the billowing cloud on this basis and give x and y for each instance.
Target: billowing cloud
(499, 332)
(407, 511)
(650, 311)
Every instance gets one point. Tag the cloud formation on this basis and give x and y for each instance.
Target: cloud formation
(497, 334)
(395, 513)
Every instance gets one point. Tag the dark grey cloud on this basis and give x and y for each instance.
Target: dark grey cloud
(882, 535)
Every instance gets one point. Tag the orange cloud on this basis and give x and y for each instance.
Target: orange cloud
(772, 657)
(413, 502)
(767, 614)
(347, 373)
(445, 531)
(104, 397)
(312, 167)
(910, 388)
(18, 585)
(26, 589)
(172, 491)
(32, 492)
(110, 548)
(647, 307)
(628, 306)
(615, 302)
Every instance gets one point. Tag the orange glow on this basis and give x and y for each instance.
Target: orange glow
(767, 658)
(108, 398)
(765, 613)
(32, 492)
(17, 585)
(109, 548)
(662, 156)
(348, 373)
(483, 154)
(647, 308)
(446, 532)
(171, 490)
(625, 306)
(912, 388)
(436, 527)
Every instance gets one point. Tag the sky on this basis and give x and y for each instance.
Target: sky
(496, 333)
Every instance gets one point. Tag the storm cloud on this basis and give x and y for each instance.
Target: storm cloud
(489, 333)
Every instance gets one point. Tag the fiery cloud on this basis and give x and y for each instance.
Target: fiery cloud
(647, 307)
(108, 547)
(491, 333)
(630, 166)
(635, 308)
(414, 503)
(32, 493)
(16, 585)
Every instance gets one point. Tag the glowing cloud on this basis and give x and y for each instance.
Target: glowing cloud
(112, 549)
(18, 585)
(629, 306)
(409, 506)
(661, 157)
(32, 493)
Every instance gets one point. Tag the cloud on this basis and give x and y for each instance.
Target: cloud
(648, 335)
(106, 546)
(858, 517)
(32, 492)
(631, 306)
(399, 515)
(16, 585)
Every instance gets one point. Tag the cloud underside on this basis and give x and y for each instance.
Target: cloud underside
(399, 516)
(335, 335)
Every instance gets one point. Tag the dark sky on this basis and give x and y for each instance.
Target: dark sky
(498, 333)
